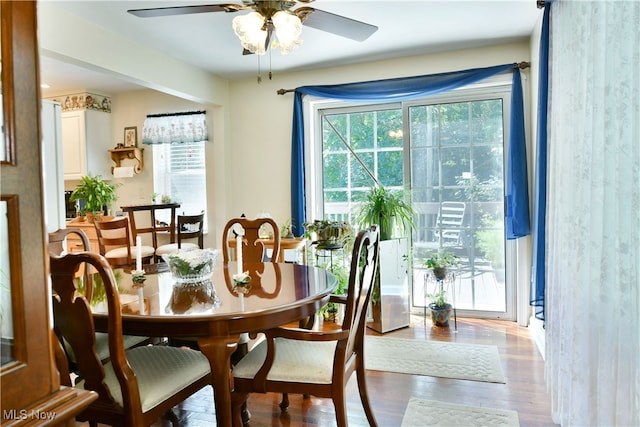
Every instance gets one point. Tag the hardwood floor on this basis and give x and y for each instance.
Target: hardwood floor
(524, 391)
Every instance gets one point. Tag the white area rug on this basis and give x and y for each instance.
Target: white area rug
(431, 413)
(434, 358)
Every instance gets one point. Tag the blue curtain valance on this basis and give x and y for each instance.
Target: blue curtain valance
(175, 128)
(399, 89)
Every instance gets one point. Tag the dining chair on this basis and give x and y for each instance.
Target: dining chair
(135, 387)
(189, 227)
(253, 246)
(319, 363)
(57, 247)
(114, 241)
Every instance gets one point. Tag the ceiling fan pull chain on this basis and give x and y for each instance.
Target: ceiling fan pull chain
(259, 76)
(270, 73)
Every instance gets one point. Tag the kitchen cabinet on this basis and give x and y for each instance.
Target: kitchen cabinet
(86, 139)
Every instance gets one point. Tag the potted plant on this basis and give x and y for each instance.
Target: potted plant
(330, 234)
(96, 194)
(394, 216)
(387, 209)
(439, 264)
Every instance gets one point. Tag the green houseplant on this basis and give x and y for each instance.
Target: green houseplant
(393, 214)
(96, 194)
(330, 234)
(387, 209)
(439, 263)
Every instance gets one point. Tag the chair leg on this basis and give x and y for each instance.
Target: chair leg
(340, 406)
(364, 395)
(284, 404)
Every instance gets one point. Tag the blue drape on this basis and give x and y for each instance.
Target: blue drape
(396, 90)
(540, 190)
(517, 216)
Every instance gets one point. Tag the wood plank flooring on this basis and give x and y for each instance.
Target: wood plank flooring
(524, 391)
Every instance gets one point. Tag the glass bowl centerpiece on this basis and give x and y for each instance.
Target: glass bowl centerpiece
(191, 266)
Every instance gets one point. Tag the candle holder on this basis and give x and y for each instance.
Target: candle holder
(138, 277)
(241, 282)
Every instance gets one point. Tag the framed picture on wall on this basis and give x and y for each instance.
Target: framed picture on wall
(131, 136)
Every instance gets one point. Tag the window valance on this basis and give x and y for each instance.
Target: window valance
(175, 128)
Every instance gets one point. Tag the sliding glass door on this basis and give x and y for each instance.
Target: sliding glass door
(455, 154)
(449, 153)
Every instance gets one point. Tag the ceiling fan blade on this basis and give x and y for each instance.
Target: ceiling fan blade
(185, 10)
(336, 24)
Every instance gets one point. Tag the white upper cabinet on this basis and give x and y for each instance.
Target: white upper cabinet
(86, 139)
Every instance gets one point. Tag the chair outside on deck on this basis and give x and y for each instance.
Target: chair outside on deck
(114, 240)
(189, 227)
(137, 386)
(57, 241)
(318, 363)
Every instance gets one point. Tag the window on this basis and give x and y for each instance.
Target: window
(448, 150)
(179, 167)
(179, 172)
(350, 136)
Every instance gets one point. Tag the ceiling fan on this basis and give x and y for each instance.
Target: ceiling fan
(256, 28)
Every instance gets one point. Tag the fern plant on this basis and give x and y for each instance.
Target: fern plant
(387, 209)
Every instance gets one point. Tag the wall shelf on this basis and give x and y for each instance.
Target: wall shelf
(132, 153)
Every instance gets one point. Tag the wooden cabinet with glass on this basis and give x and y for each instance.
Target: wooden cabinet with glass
(31, 393)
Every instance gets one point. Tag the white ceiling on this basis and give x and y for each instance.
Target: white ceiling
(406, 28)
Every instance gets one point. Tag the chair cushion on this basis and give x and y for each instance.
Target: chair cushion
(146, 251)
(295, 361)
(161, 372)
(172, 247)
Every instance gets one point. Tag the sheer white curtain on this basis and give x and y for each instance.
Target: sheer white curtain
(593, 216)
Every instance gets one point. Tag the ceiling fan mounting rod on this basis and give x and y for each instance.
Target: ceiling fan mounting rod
(268, 8)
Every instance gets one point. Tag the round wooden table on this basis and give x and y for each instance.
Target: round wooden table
(216, 314)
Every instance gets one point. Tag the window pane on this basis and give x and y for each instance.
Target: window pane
(335, 166)
(179, 172)
(359, 176)
(361, 130)
(389, 129)
(390, 168)
(330, 140)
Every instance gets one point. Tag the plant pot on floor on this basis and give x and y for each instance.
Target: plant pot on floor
(440, 315)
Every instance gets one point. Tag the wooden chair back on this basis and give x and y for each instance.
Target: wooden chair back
(191, 227)
(260, 370)
(73, 323)
(122, 391)
(115, 234)
(57, 241)
(253, 247)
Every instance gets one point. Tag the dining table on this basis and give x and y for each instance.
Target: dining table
(216, 311)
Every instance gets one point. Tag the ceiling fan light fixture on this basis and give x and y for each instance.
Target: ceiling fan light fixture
(288, 28)
(249, 29)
